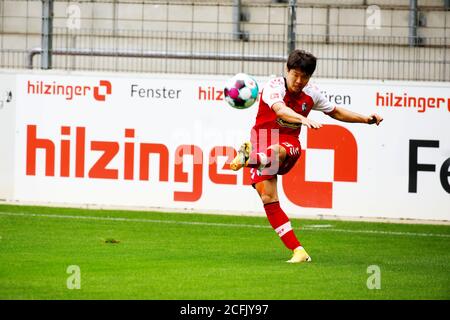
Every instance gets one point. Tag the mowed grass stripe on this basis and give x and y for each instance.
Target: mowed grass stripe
(225, 225)
(201, 257)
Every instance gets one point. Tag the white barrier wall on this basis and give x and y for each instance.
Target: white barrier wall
(128, 140)
(7, 135)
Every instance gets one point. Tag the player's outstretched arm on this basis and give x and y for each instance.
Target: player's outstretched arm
(345, 115)
(287, 114)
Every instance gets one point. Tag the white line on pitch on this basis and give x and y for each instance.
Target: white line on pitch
(231, 225)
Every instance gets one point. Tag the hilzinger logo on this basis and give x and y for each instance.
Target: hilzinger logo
(71, 152)
(69, 91)
(316, 194)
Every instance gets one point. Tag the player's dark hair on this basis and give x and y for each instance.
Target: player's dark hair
(300, 59)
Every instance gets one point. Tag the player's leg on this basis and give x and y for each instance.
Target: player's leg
(276, 157)
(267, 190)
(271, 158)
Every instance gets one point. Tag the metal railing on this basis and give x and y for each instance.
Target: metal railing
(199, 37)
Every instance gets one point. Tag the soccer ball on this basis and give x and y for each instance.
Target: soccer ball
(241, 91)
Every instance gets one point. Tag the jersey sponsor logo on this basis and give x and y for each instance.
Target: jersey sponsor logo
(286, 124)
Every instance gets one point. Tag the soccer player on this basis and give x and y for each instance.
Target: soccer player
(274, 145)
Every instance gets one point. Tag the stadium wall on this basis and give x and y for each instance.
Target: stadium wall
(7, 136)
(352, 39)
(161, 141)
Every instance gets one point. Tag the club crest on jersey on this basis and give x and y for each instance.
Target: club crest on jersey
(304, 107)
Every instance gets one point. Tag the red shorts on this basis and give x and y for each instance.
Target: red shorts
(293, 150)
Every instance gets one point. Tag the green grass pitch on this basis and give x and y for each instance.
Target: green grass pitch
(154, 255)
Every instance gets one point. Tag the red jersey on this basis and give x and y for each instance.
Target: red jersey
(276, 91)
